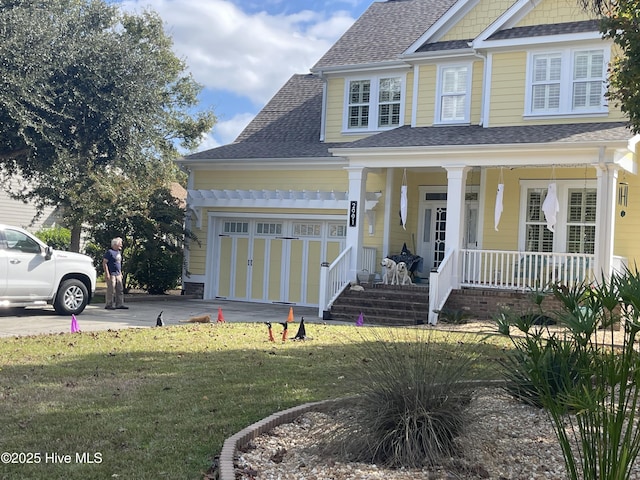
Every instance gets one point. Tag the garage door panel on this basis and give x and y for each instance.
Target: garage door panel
(275, 271)
(224, 265)
(313, 272)
(241, 267)
(295, 271)
(258, 266)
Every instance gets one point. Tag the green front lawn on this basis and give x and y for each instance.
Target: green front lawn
(159, 403)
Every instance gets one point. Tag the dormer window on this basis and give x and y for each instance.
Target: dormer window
(374, 103)
(454, 87)
(566, 82)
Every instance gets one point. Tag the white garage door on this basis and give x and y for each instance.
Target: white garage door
(273, 260)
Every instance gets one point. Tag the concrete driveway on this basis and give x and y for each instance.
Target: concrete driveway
(142, 313)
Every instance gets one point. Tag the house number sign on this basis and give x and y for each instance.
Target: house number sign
(353, 213)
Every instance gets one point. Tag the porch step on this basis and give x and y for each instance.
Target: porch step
(384, 304)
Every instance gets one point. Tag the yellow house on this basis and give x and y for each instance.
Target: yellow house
(475, 134)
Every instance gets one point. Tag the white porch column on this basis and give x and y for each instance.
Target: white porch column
(456, 189)
(607, 184)
(355, 216)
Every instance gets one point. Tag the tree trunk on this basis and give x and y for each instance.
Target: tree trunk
(76, 232)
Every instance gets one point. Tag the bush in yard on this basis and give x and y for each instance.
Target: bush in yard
(158, 268)
(411, 406)
(154, 238)
(56, 237)
(589, 386)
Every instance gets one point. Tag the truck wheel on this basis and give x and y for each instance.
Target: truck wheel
(72, 297)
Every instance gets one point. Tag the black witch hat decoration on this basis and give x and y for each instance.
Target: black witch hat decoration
(302, 334)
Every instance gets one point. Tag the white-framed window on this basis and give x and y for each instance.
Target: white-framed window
(566, 82)
(575, 228)
(233, 227)
(307, 229)
(453, 94)
(538, 238)
(337, 230)
(268, 228)
(374, 103)
(581, 220)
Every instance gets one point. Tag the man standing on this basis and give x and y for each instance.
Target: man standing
(112, 266)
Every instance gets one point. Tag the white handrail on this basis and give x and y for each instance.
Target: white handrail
(334, 278)
(440, 286)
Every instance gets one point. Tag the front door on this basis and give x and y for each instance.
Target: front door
(432, 234)
(432, 225)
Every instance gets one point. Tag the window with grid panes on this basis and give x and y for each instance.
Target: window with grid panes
(389, 94)
(454, 94)
(547, 71)
(307, 229)
(567, 82)
(263, 228)
(581, 220)
(374, 103)
(236, 227)
(538, 238)
(588, 79)
(336, 230)
(359, 98)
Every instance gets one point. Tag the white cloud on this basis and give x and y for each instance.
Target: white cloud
(251, 55)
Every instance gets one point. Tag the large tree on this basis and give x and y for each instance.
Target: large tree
(621, 23)
(93, 103)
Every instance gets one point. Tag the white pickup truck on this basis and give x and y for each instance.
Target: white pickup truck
(32, 273)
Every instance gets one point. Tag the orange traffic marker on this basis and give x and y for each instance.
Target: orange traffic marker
(220, 315)
(290, 317)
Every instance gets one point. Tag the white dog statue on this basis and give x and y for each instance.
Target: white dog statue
(390, 275)
(403, 274)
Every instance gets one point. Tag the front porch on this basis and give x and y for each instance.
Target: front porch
(520, 273)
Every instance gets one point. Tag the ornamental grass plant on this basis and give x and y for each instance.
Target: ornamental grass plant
(588, 384)
(411, 403)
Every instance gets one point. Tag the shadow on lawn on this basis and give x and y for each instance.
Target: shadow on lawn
(158, 404)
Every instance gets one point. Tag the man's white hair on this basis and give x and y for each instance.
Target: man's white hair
(116, 241)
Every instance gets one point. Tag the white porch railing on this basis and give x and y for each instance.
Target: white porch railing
(333, 279)
(369, 259)
(440, 286)
(523, 270)
(336, 276)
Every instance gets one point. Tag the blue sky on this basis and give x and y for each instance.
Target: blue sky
(243, 51)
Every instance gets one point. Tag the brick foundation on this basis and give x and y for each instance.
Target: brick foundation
(484, 304)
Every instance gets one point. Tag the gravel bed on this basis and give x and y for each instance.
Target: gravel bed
(505, 440)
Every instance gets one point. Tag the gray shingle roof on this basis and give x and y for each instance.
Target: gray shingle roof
(287, 127)
(384, 31)
(550, 29)
(459, 135)
(448, 45)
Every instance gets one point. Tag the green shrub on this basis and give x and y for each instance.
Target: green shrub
(156, 269)
(411, 406)
(56, 237)
(590, 387)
